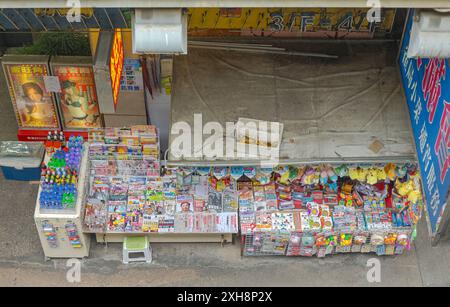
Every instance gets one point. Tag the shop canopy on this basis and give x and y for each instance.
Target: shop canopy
(345, 110)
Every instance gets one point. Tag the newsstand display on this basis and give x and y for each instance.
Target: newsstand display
(115, 184)
(129, 193)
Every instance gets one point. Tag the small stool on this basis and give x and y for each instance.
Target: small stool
(136, 245)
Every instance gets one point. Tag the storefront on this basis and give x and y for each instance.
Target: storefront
(346, 155)
(292, 136)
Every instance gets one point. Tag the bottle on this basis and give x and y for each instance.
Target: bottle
(62, 139)
(49, 143)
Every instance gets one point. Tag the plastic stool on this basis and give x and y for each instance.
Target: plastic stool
(136, 245)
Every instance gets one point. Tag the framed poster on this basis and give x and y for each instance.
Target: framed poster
(78, 102)
(35, 108)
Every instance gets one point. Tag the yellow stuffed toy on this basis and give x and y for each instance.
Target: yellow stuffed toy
(414, 196)
(362, 174)
(381, 174)
(353, 173)
(405, 188)
(372, 176)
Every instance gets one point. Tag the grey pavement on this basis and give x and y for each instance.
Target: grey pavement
(209, 264)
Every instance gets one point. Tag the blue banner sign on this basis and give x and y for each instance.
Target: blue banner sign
(427, 88)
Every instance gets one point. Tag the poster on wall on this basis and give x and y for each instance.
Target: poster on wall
(78, 101)
(427, 88)
(132, 80)
(34, 106)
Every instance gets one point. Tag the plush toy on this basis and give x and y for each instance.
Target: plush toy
(341, 171)
(323, 176)
(293, 173)
(353, 173)
(308, 176)
(381, 174)
(316, 176)
(331, 187)
(390, 171)
(332, 174)
(346, 239)
(284, 179)
(372, 176)
(300, 172)
(362, 174)
(390, 239)
(405, 188)
(347, 188)
(414, 196)
(401, 171)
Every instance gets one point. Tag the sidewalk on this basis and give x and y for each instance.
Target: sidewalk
(22, 260)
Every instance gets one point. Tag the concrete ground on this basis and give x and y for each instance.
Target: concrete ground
(22, 260)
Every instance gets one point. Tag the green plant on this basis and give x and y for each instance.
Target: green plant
(72, 44)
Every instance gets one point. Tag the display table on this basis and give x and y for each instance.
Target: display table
(53, 223)
(129, 194)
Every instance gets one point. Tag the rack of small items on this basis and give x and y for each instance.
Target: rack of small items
(59, 203)
(60, 173)
(130, 194)
(307, 211)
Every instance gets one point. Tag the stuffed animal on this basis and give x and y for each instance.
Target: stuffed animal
(381, 174)
(390, 171)
(372, 176)
(353, 173)
(332, 174)
(362, 174)
(401, 171)
(308, 176)
(405, 188)
(327, 173)
(341, 171)
(323, 175)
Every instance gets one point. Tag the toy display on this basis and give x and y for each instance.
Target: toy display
(59, 176)
(327, 210)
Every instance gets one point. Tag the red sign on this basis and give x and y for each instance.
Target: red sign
(41, 135)
(116, 64)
